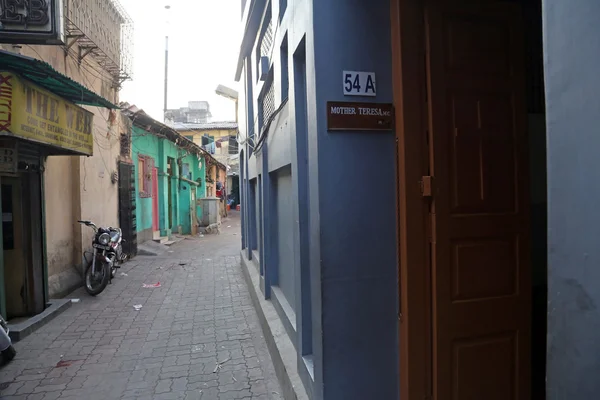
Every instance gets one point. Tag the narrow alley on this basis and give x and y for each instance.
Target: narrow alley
(196, 336)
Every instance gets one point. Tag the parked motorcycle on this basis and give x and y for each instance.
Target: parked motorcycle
(107, 257)
(7, 351)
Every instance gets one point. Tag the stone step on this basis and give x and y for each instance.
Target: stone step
(162, 240)
(174, 240)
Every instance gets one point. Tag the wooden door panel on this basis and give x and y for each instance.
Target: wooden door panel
(498, 277)
(483, 159)
(477, 43)
(480, 251)
(490, 381)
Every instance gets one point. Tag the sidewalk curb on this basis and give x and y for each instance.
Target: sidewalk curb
(23, 329)
(281, 349)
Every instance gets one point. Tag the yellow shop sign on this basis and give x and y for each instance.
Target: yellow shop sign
(30, 112)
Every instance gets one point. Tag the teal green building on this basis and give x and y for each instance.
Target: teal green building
(170, 174)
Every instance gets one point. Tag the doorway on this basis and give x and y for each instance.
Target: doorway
(468, 246)
(15, 268)
(193, 214)
(170, 177)
(22, 245)
(155, 220)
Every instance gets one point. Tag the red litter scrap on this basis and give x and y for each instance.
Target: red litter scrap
(63, 364)
(151, 285)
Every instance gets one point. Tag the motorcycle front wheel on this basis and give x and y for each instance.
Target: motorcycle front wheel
(7, 355)
(96, 283)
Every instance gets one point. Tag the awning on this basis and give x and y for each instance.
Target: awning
(43, 74)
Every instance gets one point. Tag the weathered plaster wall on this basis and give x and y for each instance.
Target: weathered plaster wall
(571, 38)
(60, 194)
(77, 187)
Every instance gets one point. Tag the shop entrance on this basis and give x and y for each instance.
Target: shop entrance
(467, 259)
(22, 245)
(15, 268)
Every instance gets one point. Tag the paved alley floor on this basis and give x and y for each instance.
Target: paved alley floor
(196, 336)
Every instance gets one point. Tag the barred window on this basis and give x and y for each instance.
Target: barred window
(265, 42)
(267, 104)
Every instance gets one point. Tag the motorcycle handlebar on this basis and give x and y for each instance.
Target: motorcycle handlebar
(90, 224)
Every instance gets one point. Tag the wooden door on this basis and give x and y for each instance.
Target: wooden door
(481, 273)
(155, 221)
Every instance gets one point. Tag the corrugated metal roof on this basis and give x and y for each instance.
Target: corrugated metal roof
(44, 75)
(209, 126)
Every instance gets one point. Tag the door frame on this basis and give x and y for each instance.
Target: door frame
(414, 280)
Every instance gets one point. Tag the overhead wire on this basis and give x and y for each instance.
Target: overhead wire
(84, 64)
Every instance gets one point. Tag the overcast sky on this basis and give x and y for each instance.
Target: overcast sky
(203, 46)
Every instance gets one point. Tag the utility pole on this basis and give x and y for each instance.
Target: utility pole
(166, 77)
(167, 7)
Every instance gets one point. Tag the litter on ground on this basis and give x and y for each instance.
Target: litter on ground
(63, 364)
(220, 365)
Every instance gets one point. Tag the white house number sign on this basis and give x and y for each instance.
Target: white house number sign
(358, 83)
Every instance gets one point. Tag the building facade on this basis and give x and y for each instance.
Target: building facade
(170, 173)
(197, 112)
(39, 121)
(221, 141)
(73, 187)
(217, 138)
(325, 249)
(448, 277)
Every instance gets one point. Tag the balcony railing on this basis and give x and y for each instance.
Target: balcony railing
(103, 30)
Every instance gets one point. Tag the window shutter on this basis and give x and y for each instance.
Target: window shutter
(149, 169)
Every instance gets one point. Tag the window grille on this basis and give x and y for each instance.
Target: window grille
(267, 105)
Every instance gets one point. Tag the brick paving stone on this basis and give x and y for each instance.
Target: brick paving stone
(202, 315)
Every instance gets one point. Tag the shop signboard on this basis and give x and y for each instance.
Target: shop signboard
(32, 22)
(32, 113)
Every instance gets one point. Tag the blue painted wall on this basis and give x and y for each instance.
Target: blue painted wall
(571, 37)
(334, 214)
(357, 224)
